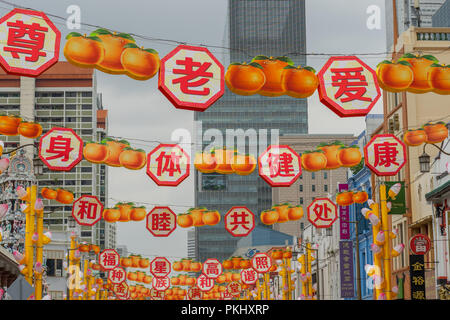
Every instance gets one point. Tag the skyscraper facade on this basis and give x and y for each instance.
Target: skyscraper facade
(255, 27)
(442, 16)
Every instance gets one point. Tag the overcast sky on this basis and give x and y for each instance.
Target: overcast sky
(138, 110)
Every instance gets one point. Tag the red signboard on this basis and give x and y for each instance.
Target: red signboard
(122, 291)
(156, 294)
(29, 42)
(61, 149)
(322, 213)
(249, 276)
(279, 166)
(109, 259)
(348, 86)
(191, 78)
(234, 288)
(160, 267)
(204, 283)
(261, 262)
(87, 210)
(239, 221)
(161, 284)
(420, 244)
(117, 275)
(194, 293)
(212, 268)
(161, 221)
(168, 165)
(385, 155)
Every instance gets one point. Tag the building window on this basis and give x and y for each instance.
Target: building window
(301, 188)
(325, 188)
(213, 182)
(86, 94)
(86, 169)
(325, 175)
(301, 200)
(86, 107)
(313, 188)
(86, 119)
(86, 233)
(313, 175)
(71, 94)
(54, 267)
(86, 182)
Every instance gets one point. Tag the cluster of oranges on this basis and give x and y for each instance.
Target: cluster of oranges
(183, 280)
(115, 153)
(197, 217)
(60, 195)
(271, 77)
(111, 53)
(139, 276)
(187, 265)
(331, 156)
(85, 247)
(134, 261)
(11, 125)
(278, 254)
(429, 133)
(124, 212)
(138, 292)
(346, 198)
(417, 74)
(281, 213)
(225, 161)
(175, 293)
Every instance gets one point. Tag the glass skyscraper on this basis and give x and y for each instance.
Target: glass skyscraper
(255, 27)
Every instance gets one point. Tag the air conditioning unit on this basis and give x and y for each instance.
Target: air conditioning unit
(58, 273)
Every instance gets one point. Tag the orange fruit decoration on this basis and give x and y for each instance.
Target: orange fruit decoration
(360, 197)
(126, 262)
(314, 160)
(133, 159)
(114, 45)
(295, 213)
(350, 156)
(269, 217)
(144, 263)
(245, 79)
(138, 213)
(205, 162)
(125, 210)
(115, 149)
(177, 266)
(439, 78)
(224, 159)
(436, 132)
(197, 216)
(420, 65)
(186, 264)
(139, 63)
(29, 129)
(227, 264)
(83, 51)
(9, 125)
(344, 198)
(174, 281)
(184, 220)
(414, 138)
(273, 69)
(277, 254)
(243, 164)
(211, 217)
(394, 77)
(283, 212)
(49, 193)
(111, 215)
(299, 82)
(195, 266)
(331, 152)
(64, 196)
(95, 152)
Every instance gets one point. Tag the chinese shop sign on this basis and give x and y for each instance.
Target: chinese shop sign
(344, 216)
(346, 265)
(396, 196)
(417, 275)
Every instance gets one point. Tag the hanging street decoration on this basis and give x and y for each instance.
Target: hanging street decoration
(281, 213)
(29, 42)
(348, 86)
(396, 197)
(161, 221)
(429, 133)
(160, 267)
(168, 165)
(117, 275)
(61, 195)
(204, 283)
(191, 78)
(225, 161)
(109, 259)
(156, 294)
(345, 197)
(197, 217)
(124, 212)
(212, 268)
(279, 166)
(234, 288)
(12, 125)
(194, 293)
(385, 155)
(122, 290)
(239, 221)
(61, 149)
(161, 284)
(249, 276)
(261, 262)
(322, 213)
(87, 210)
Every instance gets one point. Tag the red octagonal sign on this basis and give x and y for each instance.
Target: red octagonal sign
(109, 259)
(191, 78)
(160, 267)
(279, 166)
(385, 155)
(322, 213)
(29, 42)
(239, 221)
(87, 210)
(348, 86)
(161, 221)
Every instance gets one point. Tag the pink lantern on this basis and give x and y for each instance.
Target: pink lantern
(21, 192)
(39, 205)
(4, 164)
(38, 267)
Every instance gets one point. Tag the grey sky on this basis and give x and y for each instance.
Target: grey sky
(138, 110)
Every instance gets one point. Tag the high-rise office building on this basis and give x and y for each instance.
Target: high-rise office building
(408, 16)
(442, 16)
(63, 96)
(255, 27)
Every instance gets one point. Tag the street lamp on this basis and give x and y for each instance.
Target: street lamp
(424, 161)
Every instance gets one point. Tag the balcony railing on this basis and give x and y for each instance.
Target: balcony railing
(433, 34)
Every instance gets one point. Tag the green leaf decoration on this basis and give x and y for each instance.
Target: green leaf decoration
(430, 57)
(131, 45)
(127, 148)
(100, 31)
(310, 69)
(151, 51)
(124, 142)
(235, 64)
(95, 38)
(125, 36)
(260, 58)
(289, 67)
(73, 34)
(405, 63)
(408, 56)
(256, 65)
(384, 62)
(286, 59)
(140, 150)
(436, 65)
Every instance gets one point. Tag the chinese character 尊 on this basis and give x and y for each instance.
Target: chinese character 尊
(27, 39)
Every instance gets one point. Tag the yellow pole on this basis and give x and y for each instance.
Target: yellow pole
(289, 280)
(387, 243)
(308, 250)
(258, 287)
(71, 258)
(266, 282)
(29, 230)
(85, 280)
(376, 258)
(302, 260)
(39, 243)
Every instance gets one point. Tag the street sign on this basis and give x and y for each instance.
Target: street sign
(20, 289)
(168, 165)
(87, 210)
(191, 78)
(204, 283)
(420, 244)
(239, 221)
(261, 262)
(385, 154)
(212, 268)
(348, 86)
(60, 149)
(29, 42)
(322, 213)
(160, 267)
(109, 259)
(279, 166)
(161, 221)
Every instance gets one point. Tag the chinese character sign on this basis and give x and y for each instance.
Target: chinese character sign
(261, 262)
(204, 283)
(87, 210)
(156, 294)
(168, 165)
(249, 276)
(322, 213)
(29, 42)
(212, 268)
(61, 149)
(279, 166)
(346, 266)
(160, 267)
(109, 259)
(194, 293)
(420, 244)
(117, 275)
(344, 216)
(234, 288)
(385, 155)
(348, 86)
(161, 221)
(191, 78)
(122, 290)
(239, 221)
(161, 284)
(417, 276)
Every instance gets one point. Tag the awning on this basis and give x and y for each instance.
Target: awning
(436, 193)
